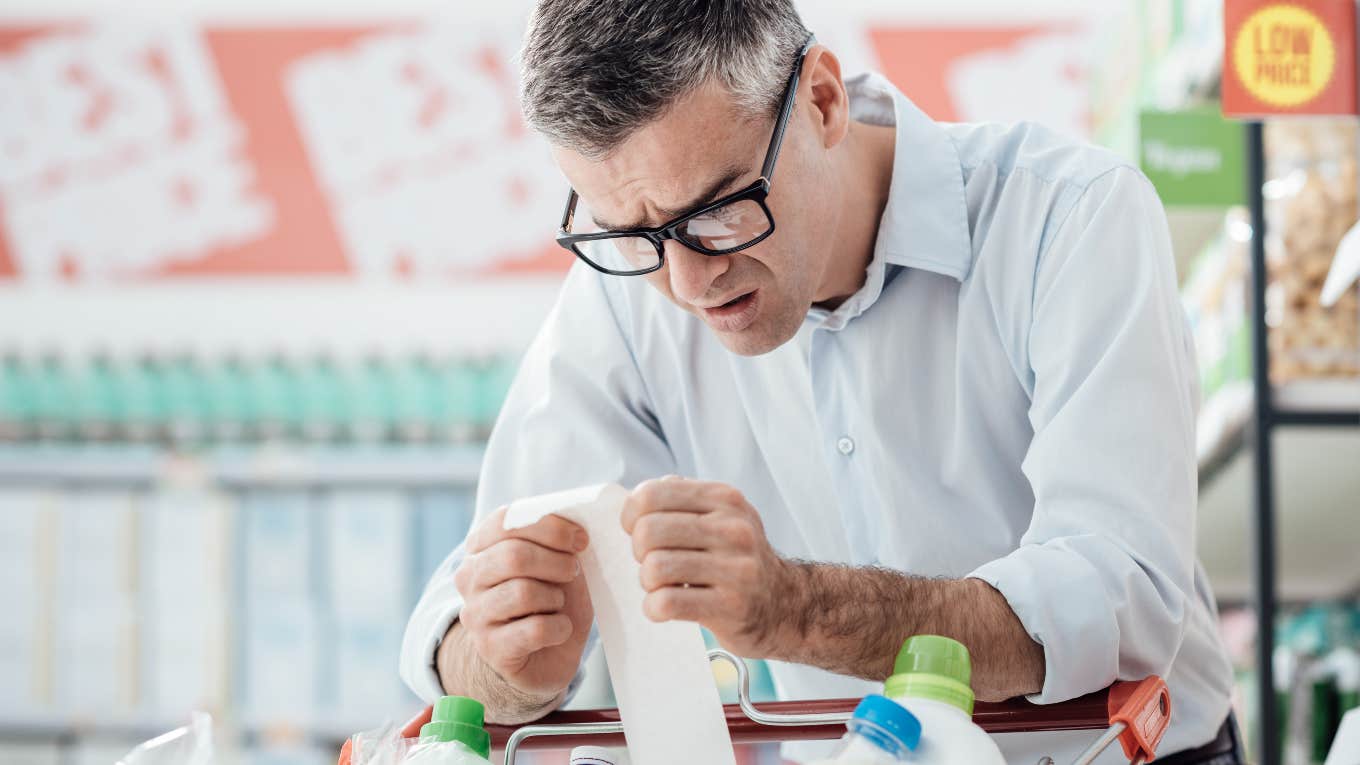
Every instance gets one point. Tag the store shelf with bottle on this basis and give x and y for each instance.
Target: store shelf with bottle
(1298, 442)
(238, 534)
(1313, 377)
(279, 611)
(1314, 367)
(195, 399)
(200, 539)
(1316, 672)
(1161, 107)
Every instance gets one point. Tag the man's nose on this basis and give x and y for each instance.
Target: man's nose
(692, 273)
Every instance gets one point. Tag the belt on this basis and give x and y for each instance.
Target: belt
(1224, 749)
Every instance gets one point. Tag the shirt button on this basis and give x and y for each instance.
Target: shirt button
(845, 445)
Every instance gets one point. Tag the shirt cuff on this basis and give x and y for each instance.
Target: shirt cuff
(424, 632)
(1058, 597)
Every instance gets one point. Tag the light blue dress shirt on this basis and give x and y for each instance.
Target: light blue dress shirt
(1010, 396)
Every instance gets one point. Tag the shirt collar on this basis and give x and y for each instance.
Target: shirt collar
(925, 222)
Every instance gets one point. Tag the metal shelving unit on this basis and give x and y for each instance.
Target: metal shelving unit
(1269, 414)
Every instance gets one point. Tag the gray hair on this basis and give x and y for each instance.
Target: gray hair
(594, 71)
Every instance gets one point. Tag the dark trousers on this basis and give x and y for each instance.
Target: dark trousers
(1225, 749)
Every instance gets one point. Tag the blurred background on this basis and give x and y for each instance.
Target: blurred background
(266, 269)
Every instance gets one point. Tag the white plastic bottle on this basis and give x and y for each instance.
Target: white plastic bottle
(454, 735)
(931, 679)
(598, 755)
(881, 732)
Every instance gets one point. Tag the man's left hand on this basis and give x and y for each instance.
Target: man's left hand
(705, 559)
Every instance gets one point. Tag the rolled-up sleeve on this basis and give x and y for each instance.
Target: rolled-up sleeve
(577, 413)
(1105, 572)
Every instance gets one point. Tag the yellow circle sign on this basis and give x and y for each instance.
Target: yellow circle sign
(1284, 55)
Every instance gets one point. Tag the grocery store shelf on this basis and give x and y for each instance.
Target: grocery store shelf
(1222, 427)
(395, 465)
(327, 729)
(1316, 491)
(1318, 419)
(1318, 403)
(46, 726)
(1319, 396)
(25, 726)
(1305, 403)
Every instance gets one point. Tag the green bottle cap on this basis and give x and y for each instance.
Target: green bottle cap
(459, 718)
(932, 667)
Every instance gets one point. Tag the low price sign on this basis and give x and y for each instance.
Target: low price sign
(1295, 57)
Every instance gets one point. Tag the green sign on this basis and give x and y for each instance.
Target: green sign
(1194, 158)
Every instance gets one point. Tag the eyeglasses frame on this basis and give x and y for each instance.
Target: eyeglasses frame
(757, 191)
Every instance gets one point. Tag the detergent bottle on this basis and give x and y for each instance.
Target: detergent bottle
(598, 755)
(931, 679)
(454, 735)
(881, 732)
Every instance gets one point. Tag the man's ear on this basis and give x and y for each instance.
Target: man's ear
(822, 86)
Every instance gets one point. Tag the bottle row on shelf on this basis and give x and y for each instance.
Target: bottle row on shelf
(279, 610)
(1317, 675)
(1317, 663)
(189, 398)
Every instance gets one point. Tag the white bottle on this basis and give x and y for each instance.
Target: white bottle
(598, 755)
(442, 753)
(881, 732)
(931, 679)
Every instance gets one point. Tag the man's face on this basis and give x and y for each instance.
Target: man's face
(753, 300)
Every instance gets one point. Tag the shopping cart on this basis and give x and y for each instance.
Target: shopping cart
(1134, 713)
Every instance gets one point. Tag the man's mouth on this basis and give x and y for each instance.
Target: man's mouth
(734, 315)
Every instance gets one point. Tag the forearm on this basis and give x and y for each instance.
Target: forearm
(853, 621)
(463, 673)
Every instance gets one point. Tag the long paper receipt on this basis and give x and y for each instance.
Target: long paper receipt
(667, 698)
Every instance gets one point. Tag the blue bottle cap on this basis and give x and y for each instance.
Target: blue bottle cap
(888, 716)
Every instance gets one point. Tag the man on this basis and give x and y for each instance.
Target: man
(921, 378)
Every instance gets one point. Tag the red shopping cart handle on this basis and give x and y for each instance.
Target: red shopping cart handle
(1143, 706)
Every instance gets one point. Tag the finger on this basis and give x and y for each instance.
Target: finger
(691, 604)
(674, 493)
(514, 599)
(671, 530)
(666, 568)
(520, 559)
(552, 531)
(462, 576)
(522, 637)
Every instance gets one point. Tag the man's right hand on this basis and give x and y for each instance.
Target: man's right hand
(525, 608)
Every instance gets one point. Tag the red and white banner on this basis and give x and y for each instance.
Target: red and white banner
(134, 150)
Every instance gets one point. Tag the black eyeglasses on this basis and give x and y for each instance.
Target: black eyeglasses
(729, 225)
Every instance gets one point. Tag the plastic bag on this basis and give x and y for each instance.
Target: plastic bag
(383, 746)
(190, 745)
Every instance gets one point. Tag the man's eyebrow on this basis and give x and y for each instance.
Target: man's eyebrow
(711, 193)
